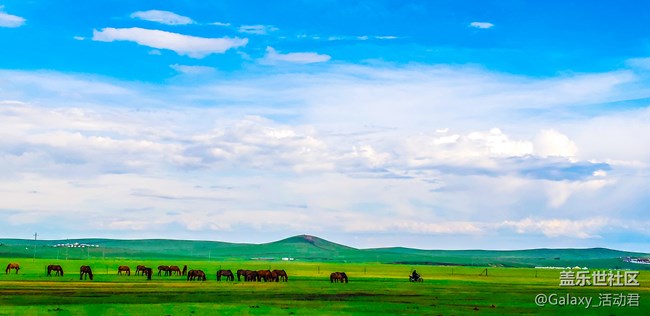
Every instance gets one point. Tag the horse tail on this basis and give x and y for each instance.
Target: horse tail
(8, 267)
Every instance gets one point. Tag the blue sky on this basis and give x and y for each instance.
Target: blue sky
(428, 124)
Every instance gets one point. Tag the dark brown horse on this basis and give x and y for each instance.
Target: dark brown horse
(147, 272)
(265, 275)
(85, 271)
(281, 275)
(241, 272)
(227, 273)
(196, 274)
(139, 269)
(56, 268)
(173, 269)
(12, 266)
(251, 275)
(163, 268)
(338, 277)
(184, 270)
(124, 269)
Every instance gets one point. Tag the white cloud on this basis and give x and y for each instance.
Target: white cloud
(79, 38)
(257, 29)
(386, 37)
(9, 20)
(410, 150)
(220, 24)
(551, 143)
(192, 46)
(586, 228)
(481, 25)
(272, 56)
(164, 17)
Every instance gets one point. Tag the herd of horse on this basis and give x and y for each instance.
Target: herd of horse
(86, 272)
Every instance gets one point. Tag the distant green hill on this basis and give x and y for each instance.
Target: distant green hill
(311, 248)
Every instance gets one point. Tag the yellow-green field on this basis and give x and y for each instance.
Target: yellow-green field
(374, 289)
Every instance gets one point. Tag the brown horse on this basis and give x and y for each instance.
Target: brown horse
(251, 276)
(338, 277)
(241, 272)
(281, 275)
(265, 275)
(147, 272)
(85, 271)
(163, 268)
(173, 269)
(196, 274)
(139, 269)
(227, 273)
(56, 268)
(12, 266)
(124, 269)
(184, 270)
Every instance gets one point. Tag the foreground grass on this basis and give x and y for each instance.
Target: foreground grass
(374, 289)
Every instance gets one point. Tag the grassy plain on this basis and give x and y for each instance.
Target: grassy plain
(374, 289)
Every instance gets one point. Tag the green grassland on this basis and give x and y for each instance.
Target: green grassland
(378, 284)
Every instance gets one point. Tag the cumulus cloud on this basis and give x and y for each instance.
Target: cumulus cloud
(272, 57)
(192, 46)
(10, 20)
(549, 143)
(481, 25)
(431, 146)
(164, 17)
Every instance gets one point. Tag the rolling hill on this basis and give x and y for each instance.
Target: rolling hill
(311, 248)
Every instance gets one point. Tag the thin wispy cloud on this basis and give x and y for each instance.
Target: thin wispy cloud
(481, 25)
(192, 46)
(192, 70)
(10, 20)
(220, 24)
(642, 63)
(272, 57)
(164, 17)
(257, 29)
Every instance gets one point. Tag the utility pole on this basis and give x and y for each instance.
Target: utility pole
(35, 235)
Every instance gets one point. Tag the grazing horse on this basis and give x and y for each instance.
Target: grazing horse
(139, 269)
(12, 266)
(251, 276)
(281, 275)
(85, 271)
(338, 277)
(124, 269)
(163, 268)
(147, 272)
(227, 273)
(54, 267)
(241, 272)
(184, 270)
(196, 274)
(173, 269)
(264, 275)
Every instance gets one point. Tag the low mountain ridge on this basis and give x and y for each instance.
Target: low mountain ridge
(312, 248)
